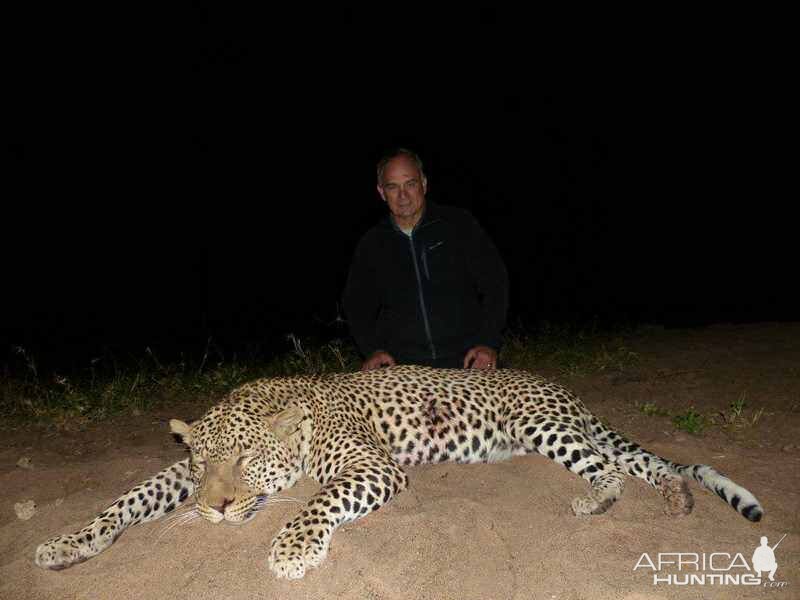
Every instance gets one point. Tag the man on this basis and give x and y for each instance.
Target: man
(426, 285)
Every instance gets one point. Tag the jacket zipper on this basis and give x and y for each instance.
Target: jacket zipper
(422, 297)
(425, 263)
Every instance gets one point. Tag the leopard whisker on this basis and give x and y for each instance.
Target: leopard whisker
(263, 501)
(174, 518)
(179, 512)
(279, 500)
(166, 530)
(182, 520)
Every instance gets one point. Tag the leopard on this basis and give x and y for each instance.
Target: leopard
(355, 433)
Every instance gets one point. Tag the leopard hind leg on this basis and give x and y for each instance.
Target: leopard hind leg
(638, 462)
(670, 478)
(569, 446)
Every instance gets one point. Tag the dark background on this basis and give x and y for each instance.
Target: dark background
(221, 191)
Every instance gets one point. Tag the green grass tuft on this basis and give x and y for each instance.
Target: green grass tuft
(690, 421)
(651, 409)
(738, 417)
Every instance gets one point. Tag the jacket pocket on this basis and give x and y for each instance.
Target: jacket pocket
(425, 252)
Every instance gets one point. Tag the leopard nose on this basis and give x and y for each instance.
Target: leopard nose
(221, 507)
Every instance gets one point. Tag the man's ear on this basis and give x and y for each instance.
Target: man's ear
(182, 430)
(380, 192)
(286, 422)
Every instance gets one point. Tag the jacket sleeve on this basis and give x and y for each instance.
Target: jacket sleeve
(490, 277)
(362, 301)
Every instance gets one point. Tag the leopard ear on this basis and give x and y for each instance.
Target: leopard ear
(286, 422)
(182, 430)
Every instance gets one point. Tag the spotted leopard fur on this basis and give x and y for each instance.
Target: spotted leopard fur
(354, 433)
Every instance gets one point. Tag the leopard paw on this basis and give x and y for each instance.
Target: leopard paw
(59, 553)
(294, 550)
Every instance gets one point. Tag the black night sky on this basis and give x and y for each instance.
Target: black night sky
(223, 195)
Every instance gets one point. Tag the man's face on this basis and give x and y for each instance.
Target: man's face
(403, 188)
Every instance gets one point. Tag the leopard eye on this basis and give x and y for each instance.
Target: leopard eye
(245, 457)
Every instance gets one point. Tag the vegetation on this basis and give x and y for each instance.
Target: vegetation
(569, 351)
(690, 421)
(105, 388)
(737, 417)
(651, 409)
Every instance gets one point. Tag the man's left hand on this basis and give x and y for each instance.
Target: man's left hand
(480, 357)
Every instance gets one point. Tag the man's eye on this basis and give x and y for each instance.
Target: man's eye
(412, 184)
(390, 187)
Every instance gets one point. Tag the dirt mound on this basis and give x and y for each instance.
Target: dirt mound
(478, 531)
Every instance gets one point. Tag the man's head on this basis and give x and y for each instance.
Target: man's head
(402, 185)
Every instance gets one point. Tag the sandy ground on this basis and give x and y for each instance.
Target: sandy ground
(480, 531)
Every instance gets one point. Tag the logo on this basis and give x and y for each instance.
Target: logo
(764, 557)
(715, 568)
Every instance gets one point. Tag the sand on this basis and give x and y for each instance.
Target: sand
(500, 531)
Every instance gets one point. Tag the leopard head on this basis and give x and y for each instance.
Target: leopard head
(240, 459)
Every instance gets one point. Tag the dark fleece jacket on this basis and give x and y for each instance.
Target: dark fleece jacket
(430, 296)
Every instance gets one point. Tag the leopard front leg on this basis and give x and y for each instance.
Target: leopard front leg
(147, 501)
(356, 491)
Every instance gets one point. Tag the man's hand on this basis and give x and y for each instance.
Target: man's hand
(480, 357)
(378, 359)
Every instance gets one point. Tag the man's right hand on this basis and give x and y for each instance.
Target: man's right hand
(378, 359)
